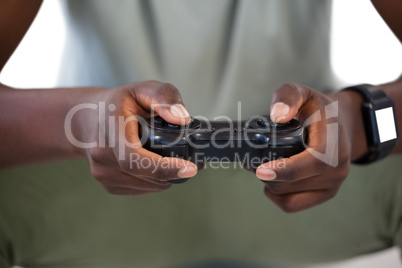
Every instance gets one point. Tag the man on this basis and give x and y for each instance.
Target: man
(217, 55)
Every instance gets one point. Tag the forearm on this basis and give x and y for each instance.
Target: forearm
(394, 90)
(350, 113)
(32, 124)
(390, 11)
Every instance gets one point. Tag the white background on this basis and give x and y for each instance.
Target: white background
(363, 51)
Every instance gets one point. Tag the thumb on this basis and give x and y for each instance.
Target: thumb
(286, 101)
(164, 99)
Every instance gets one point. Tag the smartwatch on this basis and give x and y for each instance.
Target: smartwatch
(379, 120)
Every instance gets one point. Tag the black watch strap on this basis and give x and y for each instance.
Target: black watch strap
(379, 119)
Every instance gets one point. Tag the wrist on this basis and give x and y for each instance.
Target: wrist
(394, 91)
(34, 122)
(81, 119)
(378, 117)
(350, 116)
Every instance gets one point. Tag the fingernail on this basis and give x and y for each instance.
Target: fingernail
(179, 111)
(279, 111)
(266, 174)
(187, 171)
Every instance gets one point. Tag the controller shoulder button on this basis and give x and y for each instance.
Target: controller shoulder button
(280, 125)
(194, 123)
(158, 121)
(262, 123)
(173, 126)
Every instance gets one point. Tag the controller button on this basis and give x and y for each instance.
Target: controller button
(262, 123)
(210, 130)
(173, 126)
(158, 122)
(280, 125)
(194, 123)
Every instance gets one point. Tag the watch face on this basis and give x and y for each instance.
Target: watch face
(386, 124)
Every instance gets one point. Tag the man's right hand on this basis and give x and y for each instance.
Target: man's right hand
(100, 124)
(118, 160)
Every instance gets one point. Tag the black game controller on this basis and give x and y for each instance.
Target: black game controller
(253, 142)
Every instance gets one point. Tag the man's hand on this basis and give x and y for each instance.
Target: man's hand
(335, 137)
(100, 124)
(120, 163)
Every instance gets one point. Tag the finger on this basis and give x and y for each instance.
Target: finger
(164, 99)
(174, 181)
(287, 100)
(321, 155)
(300, 201)
(110, 177)
(106, 163)
(135, 160)
(145, 163)
(310, 184)
(294, 168)
(135, 183)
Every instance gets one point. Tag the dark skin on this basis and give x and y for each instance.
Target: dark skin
(306, 181)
